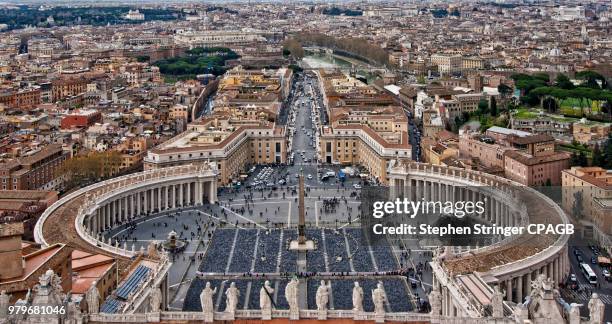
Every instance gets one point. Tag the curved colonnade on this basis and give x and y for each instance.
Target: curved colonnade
(511, 263)
(105, 205)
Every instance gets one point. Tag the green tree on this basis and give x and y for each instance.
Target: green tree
(563, 82)
(493, 107)
(294, 47)
(607, 152)
(421, 79)
(591, 78)
(582, 159)
(483, 107)
(598, 157)
(574, 160)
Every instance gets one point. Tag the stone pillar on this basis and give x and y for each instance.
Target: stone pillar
(188, 193)
(519, 289)
(152, 200)
(198, 192)
(132, 206)
(126, 208)
(509, 289)
(167, 191)
(146, 201)
(555, 266)
(392, 188)
(172, 189)
(181, 194)
(139, 203)
(213, 192)
(159, 200)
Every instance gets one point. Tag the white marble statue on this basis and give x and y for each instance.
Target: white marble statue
(596, 309)
(322, 297)
(435, 301)
(497, 303)
(155, 299)
(265, 296)
(93, 299)
(357, 298)
(206, 298)
(291, 294)
(574, 314)
(232, 293)
(4, 303)
(379, 297)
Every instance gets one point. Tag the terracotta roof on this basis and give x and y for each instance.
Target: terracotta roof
(526, 159)
(532, 139)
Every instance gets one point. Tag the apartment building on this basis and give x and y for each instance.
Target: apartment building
(536, 163)
(366, 127)
(34, 170)
(232, 146)
(587, 198)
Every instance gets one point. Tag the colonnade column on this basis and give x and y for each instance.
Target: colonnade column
(173, 196)
(146, 200)
(509, 289)
(167, 190)
(181, 200)
(519, 289)
(212, 197)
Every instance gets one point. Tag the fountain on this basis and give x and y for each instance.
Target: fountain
(173, 244)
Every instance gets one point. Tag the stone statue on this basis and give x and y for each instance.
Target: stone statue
(536, 285)
(155, 299)
(45, 279)
(152, 249)
(73, 310)
(93, 299)
(379, 298)
(596, 309)
(497, 303)
(232, 293)
(322, 296)
(265, 297)
(574, 314)
(206, 298)
(521, 313)
(4, 303)
(435, 301)
(357, 298)
(291, 294)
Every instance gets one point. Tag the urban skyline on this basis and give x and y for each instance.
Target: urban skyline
(255, 161)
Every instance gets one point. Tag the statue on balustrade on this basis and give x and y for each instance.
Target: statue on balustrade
(4, 303)
(232, 295)
(291, 294)
(435, 300)
(497, 303)
(206, 298)
(156, 299)
(322, 297)
(265, 297)
(152, 250)
(357, 298)
(379, 297)
(93, 299)
(596, 309)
